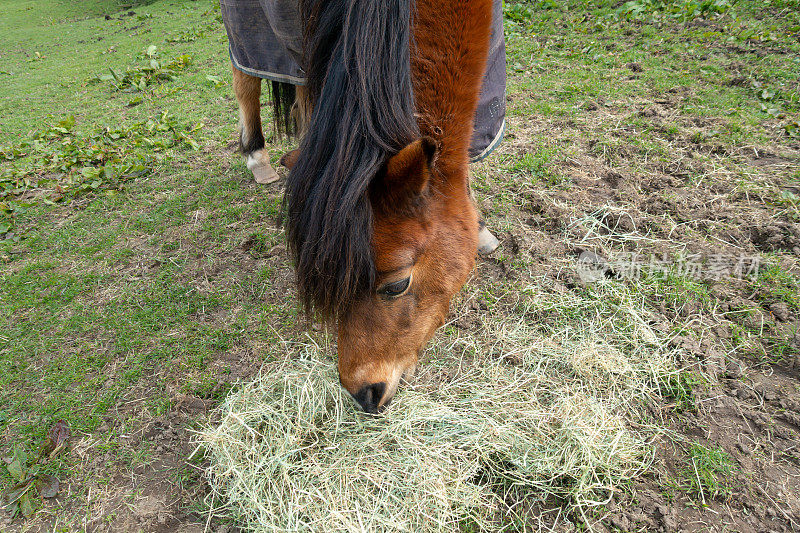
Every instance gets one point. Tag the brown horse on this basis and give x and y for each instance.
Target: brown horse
(379, 217)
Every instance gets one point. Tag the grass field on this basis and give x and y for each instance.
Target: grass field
(144, 276)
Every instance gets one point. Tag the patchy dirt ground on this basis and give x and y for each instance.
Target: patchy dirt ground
(739, 333)
(740, 337)
(745, 400)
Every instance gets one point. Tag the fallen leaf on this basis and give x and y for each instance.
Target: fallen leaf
(48, 486)
(58, 437)
(17, 491)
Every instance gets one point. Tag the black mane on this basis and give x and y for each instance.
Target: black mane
(358, 68)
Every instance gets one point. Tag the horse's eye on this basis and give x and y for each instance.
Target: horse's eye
(396, 288)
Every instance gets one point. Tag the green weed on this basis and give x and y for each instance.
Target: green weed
(680, 10)
(30, 473)
(60, 162)
(791, 202)
(708, 472)
(136, 79)
(678, 389)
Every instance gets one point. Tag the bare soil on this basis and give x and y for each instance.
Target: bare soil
(749, 402)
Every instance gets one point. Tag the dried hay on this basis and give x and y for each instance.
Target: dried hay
(293, 453)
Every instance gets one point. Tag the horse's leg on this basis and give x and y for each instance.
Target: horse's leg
(301, 111)
(251, 136)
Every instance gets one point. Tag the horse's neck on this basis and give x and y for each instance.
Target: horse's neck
(448, 63)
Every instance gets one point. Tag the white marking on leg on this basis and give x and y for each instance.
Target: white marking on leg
(258, 163)
(257, 159)
(242, 130)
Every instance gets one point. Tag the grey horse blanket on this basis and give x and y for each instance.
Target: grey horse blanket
(265, 40)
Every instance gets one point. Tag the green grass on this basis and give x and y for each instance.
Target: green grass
(678, 390)
(535, 166)
(667, 59)
(102, 295)
(708, 472)
(776, 285)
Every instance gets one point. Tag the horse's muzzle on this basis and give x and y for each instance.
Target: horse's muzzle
(369, 397)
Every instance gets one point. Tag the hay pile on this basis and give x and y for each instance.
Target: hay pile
(457, 450)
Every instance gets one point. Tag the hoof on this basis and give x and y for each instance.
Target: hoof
(487, 243)
(265, 174)
(258, 163)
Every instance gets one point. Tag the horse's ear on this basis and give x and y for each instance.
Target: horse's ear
(407, 173)
(289, 159)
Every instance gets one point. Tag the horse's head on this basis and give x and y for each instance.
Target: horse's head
(424, 241)
(379, 220)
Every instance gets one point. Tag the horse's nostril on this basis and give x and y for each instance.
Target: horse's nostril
(370, 396)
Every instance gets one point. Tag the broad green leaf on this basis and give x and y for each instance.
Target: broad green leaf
(91, 172)
(68, 122)
(151, 50)
(16, 469)
(25, 506)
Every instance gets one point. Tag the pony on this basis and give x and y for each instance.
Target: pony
(381, 226)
